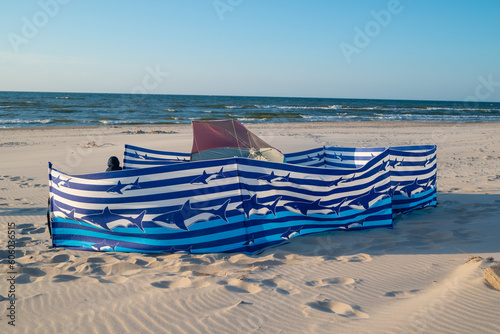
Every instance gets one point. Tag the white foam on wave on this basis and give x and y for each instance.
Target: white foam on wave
(334, 107)
(25, 121)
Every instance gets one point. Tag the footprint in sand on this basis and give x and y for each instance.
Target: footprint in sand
(61, 258)
(185, 282)
(120, 268)
(326, 306)
(354, 258)
(144, 263)
(240, 286)
(25, 279)
(91, 265)
(29, 275)
(64, 278)
(26, 241)
(281, 286)
(4, 255)
(96, 260)
(331, 281)
(38, 230)
(401, 294)
(23, 212)
(162, 284)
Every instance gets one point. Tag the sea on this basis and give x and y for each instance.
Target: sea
(36, 109)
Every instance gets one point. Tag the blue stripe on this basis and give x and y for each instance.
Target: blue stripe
(146, 150)
(308, 152)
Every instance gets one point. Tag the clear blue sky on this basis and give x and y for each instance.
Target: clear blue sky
(424, 49)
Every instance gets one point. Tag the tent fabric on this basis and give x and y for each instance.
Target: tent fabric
(229, 138)
(236, 204)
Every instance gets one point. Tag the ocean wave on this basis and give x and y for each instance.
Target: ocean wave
(284, 107)
(63, 120)
(25, 121)
(214, 106)
(173, 120)
(268, 115)
(65, 111)
(19, 104)
(69, 98)
(247, 119)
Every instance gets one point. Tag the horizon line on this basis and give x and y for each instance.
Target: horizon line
(262, 96)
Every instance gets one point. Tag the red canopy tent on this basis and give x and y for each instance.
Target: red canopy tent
(229, 138)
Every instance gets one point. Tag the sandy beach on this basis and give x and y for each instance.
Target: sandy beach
(423, 276)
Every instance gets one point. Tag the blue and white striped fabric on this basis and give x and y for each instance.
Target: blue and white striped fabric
(413, 172)
(313, 158)
(350, 158)
(237, 204)
(139, 157)
(229, 205)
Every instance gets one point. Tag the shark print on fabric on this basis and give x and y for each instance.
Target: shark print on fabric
(139, 156)
(336, 182)
(339, 157)
(104, 246)
(427, 161)
(352, 178)
(275, 178)
(60, 182)
(108, 220)
(179, 249)
(317, 157)
(68, 214)
(349, 226)
(252, 206)
(187, 216)
(119, 188)
(205, 177)
(305, 208)
(411, 189)
(431, 183)
(364, 202)
(389, 192)
(424, 163)
(392, 190)
(394, 163)
(290, 232)
(384, 166)
(335, 156)
(336, 208)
